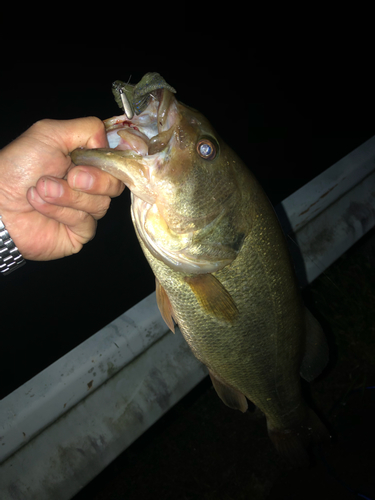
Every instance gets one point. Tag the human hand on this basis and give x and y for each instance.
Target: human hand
(49, 206)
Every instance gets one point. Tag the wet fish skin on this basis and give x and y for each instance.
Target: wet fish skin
(223, 272)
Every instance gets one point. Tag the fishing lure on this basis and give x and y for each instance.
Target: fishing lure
(135, 98)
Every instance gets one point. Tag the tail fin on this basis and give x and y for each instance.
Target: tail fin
(292, 443)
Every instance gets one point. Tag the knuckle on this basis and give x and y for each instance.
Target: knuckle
(111, 186)
(96, 121)
(116, 186)
(121, 187)
(102, 206)
(40, 125)
(84, 219)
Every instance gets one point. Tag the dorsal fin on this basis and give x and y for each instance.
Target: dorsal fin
(213, 297)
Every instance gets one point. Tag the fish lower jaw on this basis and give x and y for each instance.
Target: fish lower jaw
(134, 141)
(124, 137)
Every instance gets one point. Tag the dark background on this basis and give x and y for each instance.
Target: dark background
(288, 119)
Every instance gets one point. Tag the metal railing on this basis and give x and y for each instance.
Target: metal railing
(60, 429)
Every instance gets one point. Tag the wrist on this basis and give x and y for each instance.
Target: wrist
(10, 257)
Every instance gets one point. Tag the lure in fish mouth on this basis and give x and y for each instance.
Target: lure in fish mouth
(135, 98)
(148, 125)
(222, 268)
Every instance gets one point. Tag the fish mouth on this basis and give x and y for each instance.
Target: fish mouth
(148, 133)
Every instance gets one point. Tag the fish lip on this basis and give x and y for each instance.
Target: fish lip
(145, 129)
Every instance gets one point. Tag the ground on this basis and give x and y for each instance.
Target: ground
(203, 450)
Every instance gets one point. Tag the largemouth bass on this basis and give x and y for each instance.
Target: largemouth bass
(223, 272)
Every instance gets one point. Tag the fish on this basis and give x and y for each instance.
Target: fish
(221, 264)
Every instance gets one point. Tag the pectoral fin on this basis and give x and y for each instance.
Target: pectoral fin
(165, 307)
(213, 297)
(316, 349)
(229, 396)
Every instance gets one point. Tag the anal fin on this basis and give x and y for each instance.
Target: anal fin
(164, 305)
(229, 396)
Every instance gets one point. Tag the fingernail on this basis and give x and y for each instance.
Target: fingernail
(35, 196)
(52, 188)
(83, 180)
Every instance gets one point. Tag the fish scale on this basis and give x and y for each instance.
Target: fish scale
(222, 268)
(224, 348)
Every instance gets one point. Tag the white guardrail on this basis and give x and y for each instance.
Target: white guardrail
(65, 425)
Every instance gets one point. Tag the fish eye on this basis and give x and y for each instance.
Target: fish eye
(206, 149)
